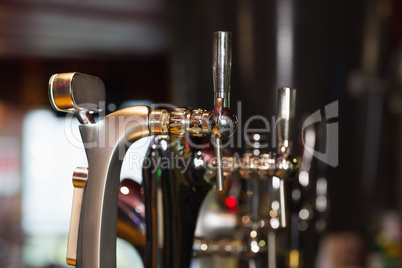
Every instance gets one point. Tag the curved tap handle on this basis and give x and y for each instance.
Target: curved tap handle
(286, 114)
(78, 93)
(221, 68)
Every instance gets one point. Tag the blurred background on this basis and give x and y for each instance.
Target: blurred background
(160, 51)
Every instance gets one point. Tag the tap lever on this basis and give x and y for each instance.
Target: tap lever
(220, 122)
(78, 93)
(286, 114)
(80, 177)
(222, 66)
(221, 69)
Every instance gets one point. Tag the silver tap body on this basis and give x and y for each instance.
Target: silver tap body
(106, 143)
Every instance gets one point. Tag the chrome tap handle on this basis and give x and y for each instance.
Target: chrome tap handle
(78, 93)
(221, 68)
(219, 123)
(80, 177)
(286, 114)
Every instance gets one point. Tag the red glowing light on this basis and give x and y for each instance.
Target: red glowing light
(231, 202)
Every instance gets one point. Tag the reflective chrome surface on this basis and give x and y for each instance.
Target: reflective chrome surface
(174, 195)
(222, 66)
(131, 223)
(78, 93)
(161, 219)
(285, 117)
(107, 141)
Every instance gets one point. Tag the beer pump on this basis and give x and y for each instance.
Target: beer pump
(173, 193)
(93, 221)
(254, 168)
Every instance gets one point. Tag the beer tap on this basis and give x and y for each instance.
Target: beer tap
(221, 67)
(220, 122)
(286, 114)
(282, 165)
(278, 166)
(92, 239)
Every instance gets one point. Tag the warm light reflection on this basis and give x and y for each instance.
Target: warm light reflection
(164, 144)
(275, 205)
(254, 247)
(245, 219)
(274, 223)
(304, 214)
(124, 190)
(273, 213)
(294, 257)
(276, 183)
(204, 247)
(304, 178)
(253, 234)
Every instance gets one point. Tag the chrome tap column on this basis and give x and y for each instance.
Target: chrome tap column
(105, 144)
(92, 240)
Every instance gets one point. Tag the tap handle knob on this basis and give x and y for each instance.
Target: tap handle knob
(286, 114)
(222, 66)
(78, 93)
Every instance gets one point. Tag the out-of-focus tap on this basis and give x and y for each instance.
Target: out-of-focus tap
(92, 240)
(266, 211)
